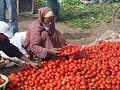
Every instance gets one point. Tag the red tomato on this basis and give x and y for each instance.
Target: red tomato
(2, 81)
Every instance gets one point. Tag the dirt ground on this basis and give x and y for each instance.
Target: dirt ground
(72, 35)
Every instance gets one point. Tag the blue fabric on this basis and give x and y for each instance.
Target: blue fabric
(12, 10)
(58, 5)
(104, 1)
(100, 1)
(53, 4)
(93, 1)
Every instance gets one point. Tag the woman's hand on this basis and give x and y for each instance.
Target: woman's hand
(54, 51)
(67, 44)
(35, 64)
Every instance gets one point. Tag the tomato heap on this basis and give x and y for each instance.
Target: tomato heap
(98, 68)
(2, 81)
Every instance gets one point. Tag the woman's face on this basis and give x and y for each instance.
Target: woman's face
(48, 21)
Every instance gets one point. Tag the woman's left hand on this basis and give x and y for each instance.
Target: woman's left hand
(54, 51)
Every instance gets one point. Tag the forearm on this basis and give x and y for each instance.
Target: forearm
(24, 58)
(9, 49)
(39, 51)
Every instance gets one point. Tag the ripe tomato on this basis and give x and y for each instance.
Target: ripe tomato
(2, 81)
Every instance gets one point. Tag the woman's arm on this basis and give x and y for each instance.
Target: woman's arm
(35, 42)
(12, 51)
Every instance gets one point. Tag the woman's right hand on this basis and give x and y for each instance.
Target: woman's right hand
(54, 51)
(35, 64)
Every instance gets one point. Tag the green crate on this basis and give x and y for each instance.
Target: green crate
(2, 87)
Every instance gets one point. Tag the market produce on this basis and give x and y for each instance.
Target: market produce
(99, 70)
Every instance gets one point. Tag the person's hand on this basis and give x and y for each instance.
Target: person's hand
(35, 64)
(32, 63)
(54, 51)
(67, 43)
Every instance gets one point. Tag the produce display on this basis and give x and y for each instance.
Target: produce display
(99, 68)
(2, 81)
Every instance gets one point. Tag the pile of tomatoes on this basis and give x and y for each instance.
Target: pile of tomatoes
(98, 68)
(2, 81)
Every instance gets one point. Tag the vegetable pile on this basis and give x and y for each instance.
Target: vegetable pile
(98, 67)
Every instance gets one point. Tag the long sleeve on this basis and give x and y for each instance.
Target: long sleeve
(9, 49)
(35, 43)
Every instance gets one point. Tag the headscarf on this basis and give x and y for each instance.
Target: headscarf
(41, 14)
(49, 14)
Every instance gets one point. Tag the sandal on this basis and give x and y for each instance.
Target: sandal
(6, 63)
(85, 1)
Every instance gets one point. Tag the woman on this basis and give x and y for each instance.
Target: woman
(42, 39)
(10, 49)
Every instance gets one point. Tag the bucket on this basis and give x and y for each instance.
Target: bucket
(72, 51)
(2, 86)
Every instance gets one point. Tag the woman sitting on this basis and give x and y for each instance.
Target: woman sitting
(42, 39)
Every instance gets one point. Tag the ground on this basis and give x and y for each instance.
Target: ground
(72, 35)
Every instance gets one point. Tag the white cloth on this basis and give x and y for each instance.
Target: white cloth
(46, 28)
(49, 14)
(17, 40)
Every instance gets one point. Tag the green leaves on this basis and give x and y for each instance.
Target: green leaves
(78, 15)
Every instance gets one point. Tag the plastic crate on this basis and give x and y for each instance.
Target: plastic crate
(2, 87)
(25, 6)
(70, 51)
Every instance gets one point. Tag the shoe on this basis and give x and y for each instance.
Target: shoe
(6, 63)
(102, 1)
(93, 1)
(3, 62)
(85, 1)
(108, 2)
